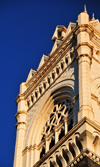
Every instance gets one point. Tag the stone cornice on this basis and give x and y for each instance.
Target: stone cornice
(48, 68)
(85, 153)
(20, 112)
(32, 87)
(56, 56)
(49, 86)
(53, 57)
(20, 123)
(83, 27)
(19, 98)
(84, 44)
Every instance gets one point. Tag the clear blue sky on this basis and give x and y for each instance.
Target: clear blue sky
(26, 28)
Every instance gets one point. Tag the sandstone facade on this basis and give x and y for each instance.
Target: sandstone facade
(58, 118)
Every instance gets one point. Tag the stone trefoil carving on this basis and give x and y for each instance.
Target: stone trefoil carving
(61, 110)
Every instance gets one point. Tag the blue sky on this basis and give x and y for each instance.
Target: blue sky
(26, 29)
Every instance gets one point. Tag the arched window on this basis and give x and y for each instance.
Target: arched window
(32, 99)
(36, 95)
(53, 76)
(62, 66)
(44, 85)
(57, 70)
(62, 133)
(52, 143)
(70, 125)
(42, 152)
(61, 113)
(48, 80)
(72, 150)
(40, 90)
(66, 60)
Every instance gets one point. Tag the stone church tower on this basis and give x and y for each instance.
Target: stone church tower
(58, 118)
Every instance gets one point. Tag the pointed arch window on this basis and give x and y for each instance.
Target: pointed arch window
(61, 111)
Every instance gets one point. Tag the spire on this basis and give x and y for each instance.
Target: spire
(93, 17)
(85, 8)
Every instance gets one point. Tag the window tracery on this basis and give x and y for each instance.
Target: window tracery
(61, 110)
(60, 113)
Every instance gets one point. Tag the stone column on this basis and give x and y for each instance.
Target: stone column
(84, 51)
(47, 141)
(21, 127)
(56, 134)
(65, 125)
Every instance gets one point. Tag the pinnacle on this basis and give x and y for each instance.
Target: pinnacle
(85, 8)
(93, 17)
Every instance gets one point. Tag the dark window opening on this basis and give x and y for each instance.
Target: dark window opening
(44, 85)
(53, 76)
(42, 152)
(62, 66)
(66, 61)
(59, 34)
(48, 80)
(40, 90)
(47, 129)
(79, 144)
(65, 156)
(59, 114)
(58, 161)
(32, 99)
(70, 126)
(66, 110)
(70, 110)
(71, 55)
(54, 109)
(36, 95)
(43, 137)
(51, 128)
(61, 134)
(52, 143)
(57, 70)
(51, 165)
(72, 150)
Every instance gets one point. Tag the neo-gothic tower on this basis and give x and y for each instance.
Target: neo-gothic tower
(58, 118)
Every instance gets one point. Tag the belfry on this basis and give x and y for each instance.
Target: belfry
(58, 117)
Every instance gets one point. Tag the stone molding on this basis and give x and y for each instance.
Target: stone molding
(20, 123)
(94, 97)
(64, 138)
(85, 153)
(84, 44)
(20, 112)
(54, 59)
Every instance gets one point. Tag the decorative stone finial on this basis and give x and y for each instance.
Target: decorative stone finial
(85, 8)
(93, 17)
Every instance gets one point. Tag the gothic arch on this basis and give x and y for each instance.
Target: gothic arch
(39, 118)
(44, 108)
(33, 136)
